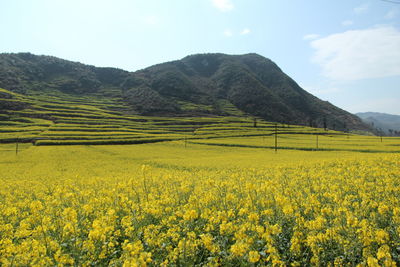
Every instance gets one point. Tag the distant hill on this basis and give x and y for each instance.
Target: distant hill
(197, 85)
(389, 123)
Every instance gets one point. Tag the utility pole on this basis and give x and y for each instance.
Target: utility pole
(16, 147)
(276, 137)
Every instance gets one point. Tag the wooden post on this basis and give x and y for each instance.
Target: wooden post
(276, 137)
(185, 141)
(317, 140)
(16, 147)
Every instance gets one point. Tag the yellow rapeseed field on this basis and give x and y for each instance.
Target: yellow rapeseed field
(164, 204)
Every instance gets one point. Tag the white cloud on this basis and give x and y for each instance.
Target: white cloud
(228, 33)
(391, 14)
(347, 22)
(151, 20)
(310, 37)
(223, 5)
(359, 54)
(361, 9)
(245, 31)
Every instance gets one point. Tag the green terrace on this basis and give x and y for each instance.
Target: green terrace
(60, 119)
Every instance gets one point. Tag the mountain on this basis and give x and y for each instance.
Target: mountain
(197, 85)
(388, 123)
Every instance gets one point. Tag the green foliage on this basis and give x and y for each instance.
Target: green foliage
(194, 86)
(145, 100)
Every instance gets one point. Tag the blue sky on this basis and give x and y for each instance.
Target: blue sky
(345, 52)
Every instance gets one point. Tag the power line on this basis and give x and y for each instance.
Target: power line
(392, 1)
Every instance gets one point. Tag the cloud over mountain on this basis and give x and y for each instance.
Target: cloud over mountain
(359, 54)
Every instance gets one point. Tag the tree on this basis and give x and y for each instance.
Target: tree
(311, 122)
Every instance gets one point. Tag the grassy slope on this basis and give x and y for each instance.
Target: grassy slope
(198, 85)
(61, 119)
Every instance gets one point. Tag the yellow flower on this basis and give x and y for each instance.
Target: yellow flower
(239, 249)
(254, 256)
(68, 229)
(383, 209)
(373, 262)
(69, 214)
(36, 206)
(253, 217)
(383, 252)
(288, 209)
(63, 258)
(381, 236)
(190, 215)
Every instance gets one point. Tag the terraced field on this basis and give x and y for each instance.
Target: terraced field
(62, 119)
